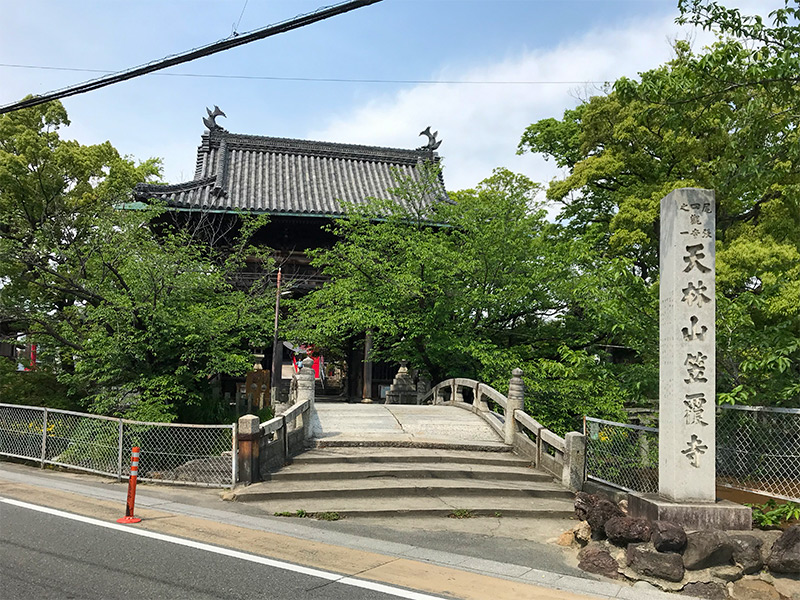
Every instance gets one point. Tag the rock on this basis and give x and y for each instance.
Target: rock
(747, 552)
(668, 537)
(727, 572)
(596, 510)
(645, 586)
(566, 539)
(709, 548)
(768, 539)
(600, 514)
(596, 559)
(662, 584)
(583, 533)
(754, 589)
(787, 587)
(646, 560)
(623, 506)
(710, 590)
(785, 555)
(583, 502)
(627, 530)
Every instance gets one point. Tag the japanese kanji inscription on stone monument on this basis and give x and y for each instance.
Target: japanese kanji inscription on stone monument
(687, 443)
(686, 440)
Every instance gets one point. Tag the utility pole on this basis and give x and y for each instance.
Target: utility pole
(277, 352)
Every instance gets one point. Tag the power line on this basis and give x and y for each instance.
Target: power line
(317, 79)
(236, 26)
(177, 59)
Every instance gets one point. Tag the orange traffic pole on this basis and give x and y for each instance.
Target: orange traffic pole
(129, 518)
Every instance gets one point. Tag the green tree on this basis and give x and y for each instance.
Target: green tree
(134, 322)
(724, 119)
(471, 286)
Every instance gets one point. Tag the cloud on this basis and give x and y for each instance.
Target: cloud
(481, 125)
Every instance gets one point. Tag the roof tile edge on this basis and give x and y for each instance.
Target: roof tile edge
(216, 137)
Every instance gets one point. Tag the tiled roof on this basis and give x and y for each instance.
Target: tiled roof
(288, 176)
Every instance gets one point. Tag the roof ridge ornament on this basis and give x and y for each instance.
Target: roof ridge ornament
(211, 121)
(433, 144)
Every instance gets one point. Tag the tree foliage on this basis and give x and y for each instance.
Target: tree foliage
(472, 286)
(134, 322)
(724, 119)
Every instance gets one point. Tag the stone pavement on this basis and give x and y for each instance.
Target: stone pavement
(510, 549)
(401, 424)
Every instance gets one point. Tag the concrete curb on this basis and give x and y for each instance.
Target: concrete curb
(392, 490)
(447, 512)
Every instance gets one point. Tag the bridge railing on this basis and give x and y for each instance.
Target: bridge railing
(267, 446)
(564, 458)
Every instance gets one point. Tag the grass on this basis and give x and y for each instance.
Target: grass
(301, 514)
(461, 513)
(327, 516)
(287, 513)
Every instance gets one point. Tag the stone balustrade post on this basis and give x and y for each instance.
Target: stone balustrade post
(306, 390)
(478, 403)
(423, 387)
(458, 393)
(248, 441)
(574, 471)
(516, 401)
(305, 381)
(439, 396)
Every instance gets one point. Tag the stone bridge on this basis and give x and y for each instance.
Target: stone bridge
(443, 456)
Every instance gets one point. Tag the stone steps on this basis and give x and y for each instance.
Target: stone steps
(404, 471)
(359, 481)
(379, 441)
(349, 455)
(388, 487)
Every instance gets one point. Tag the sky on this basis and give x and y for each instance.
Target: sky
(484, 71)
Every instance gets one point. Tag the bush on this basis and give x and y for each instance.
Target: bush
(33, 388)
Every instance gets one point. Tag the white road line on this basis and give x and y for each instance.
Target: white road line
(278, 564)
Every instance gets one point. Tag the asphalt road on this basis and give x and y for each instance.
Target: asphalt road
(43, 556)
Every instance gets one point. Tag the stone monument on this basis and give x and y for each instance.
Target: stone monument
(687, 388)
(257, 384)
(402, 390)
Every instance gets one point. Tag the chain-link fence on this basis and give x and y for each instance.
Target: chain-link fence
(201, 455)
(623, 456)
(758, 449)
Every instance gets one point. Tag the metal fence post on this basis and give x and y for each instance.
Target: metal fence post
(44, 436)
(119, 452)
(235, 463)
